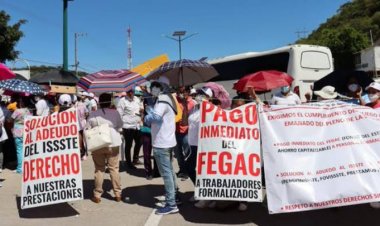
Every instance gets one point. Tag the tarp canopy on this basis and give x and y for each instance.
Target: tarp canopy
(55, 77)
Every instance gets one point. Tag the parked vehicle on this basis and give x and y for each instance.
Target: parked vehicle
(305, 63)
(368, 60)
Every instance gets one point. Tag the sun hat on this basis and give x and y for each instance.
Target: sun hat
(327, 92)
(374, 85)
(64, 99)
(207, 91)
(193, 91)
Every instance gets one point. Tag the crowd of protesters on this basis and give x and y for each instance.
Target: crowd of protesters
(154, 116)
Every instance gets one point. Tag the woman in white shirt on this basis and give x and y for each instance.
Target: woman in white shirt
(108, 155)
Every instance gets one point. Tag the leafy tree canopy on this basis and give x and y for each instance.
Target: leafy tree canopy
(9, 36)
(348, 32)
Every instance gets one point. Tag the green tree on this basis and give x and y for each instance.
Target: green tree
(9, 36)
(348, 31)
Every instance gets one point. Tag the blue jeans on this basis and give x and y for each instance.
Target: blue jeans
(163, 157)
(19, 152)
(181, 150)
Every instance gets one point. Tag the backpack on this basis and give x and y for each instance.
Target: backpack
(171, 100)
(178, 116)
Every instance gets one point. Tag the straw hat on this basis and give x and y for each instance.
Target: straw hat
(327, 92)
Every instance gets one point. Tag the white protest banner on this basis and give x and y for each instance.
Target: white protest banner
(51, 165)
(320, 156)
(229, 161)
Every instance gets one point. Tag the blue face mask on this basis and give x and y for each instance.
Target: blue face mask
(285, 89)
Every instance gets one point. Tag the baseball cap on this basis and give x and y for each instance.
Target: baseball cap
(374, 85)
(64, 99)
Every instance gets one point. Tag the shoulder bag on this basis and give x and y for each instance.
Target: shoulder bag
(98, 137)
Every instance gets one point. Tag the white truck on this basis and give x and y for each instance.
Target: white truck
(368, 60)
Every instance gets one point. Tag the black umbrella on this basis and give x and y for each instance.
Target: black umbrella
(339, 79)
(20, 77)
(56, 77)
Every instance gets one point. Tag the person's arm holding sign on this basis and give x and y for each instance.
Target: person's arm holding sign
(254, 96)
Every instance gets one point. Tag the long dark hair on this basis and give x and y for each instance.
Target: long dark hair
(105, 101)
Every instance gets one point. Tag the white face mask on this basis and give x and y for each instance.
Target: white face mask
(285, 89)
(373, 97)
(353, 87)
(36, 99)
(199, 98)
(155, 91)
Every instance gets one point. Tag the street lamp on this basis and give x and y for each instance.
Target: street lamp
(180, 38)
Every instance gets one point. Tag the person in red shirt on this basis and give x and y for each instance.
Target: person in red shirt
(182, 127)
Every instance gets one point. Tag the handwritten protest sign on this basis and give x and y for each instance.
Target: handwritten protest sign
(320, 156)
(229, 161)
(51, 164)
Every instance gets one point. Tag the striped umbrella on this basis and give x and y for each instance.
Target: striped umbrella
(184, 72)
(111, 81)
(20, 86)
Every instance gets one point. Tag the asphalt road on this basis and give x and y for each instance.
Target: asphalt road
(143, 195)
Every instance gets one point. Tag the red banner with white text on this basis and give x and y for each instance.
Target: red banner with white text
(51, 160)
(229, 161)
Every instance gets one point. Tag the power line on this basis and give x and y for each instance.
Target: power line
(42, 62)
(301, 34)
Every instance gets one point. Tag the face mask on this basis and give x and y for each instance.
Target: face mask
(155, 91)
(36, 99)
(353, 87)
(373, 97)
(181, 96)
(199, 99)
(285, 89)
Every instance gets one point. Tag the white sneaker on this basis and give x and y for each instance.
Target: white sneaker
(375, 205)
(242, 207)
(202, 204)
(160, 203)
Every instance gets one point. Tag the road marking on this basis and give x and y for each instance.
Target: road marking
(153, 219)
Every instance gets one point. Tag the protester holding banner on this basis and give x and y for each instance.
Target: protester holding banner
(109, 155)
(286, 97)
(326, 93)
(191, 158)
(64, 102)
(18, 117)
(162, 121)
(354, 92)
(374, 95)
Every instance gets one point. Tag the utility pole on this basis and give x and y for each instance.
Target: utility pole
(129, 48)
(65, 51)
(301, 34)
(76, 63)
